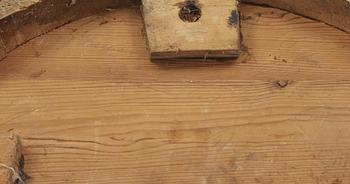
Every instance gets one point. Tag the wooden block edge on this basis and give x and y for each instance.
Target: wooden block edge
(212, 54)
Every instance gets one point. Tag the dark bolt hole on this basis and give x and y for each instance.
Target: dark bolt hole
(17, 181)
(190, 12)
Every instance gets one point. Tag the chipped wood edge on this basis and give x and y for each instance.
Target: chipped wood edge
(12, 158)
(20, 24)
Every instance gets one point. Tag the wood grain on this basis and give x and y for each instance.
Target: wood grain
(92, 108)
(21, 21)
(332, 12)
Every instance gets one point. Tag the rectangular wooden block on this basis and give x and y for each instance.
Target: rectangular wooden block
(11, 160)
(192, 28)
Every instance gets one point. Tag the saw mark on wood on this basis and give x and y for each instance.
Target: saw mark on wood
(38, 74)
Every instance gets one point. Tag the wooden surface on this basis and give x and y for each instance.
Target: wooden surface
(212, 33)
(10, 157)
(333, 12)
(92, 108)
(22, 20)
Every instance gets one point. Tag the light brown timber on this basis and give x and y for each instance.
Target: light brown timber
(92, 108)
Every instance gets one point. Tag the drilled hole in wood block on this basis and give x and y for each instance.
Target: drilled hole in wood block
(190, 12)
(192, 28)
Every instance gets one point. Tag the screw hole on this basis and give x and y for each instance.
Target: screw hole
(190, 12)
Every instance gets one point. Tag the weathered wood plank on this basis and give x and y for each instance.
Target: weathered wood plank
(192, 29)
(100, 112)
(11, 160)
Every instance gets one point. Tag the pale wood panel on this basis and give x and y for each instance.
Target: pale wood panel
(244, 131)
(92, 108)
(214, 34)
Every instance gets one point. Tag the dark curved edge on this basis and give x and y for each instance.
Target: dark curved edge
(47, 15)
(335, 13)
